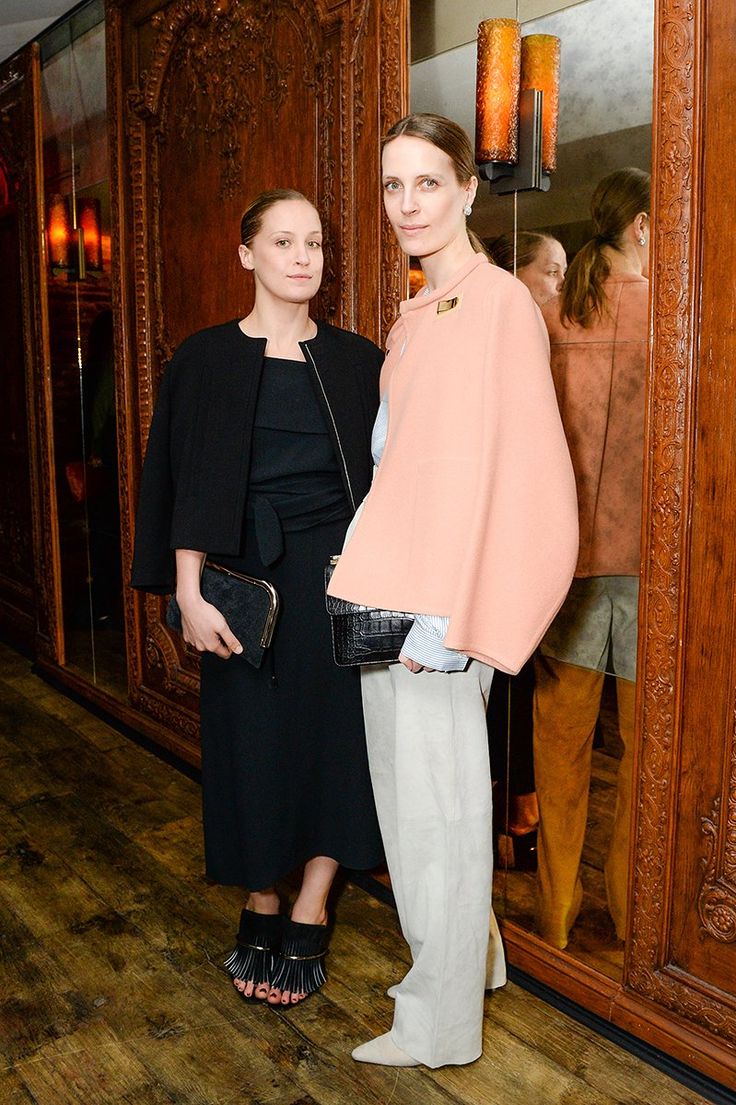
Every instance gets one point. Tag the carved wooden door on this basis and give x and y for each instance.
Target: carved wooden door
(212, 101)
(682, 954)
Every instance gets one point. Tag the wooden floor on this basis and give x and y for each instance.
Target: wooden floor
(111, 940)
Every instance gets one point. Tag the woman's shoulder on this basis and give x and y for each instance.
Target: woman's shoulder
(491, 280)
(493, 276)
(633, 289)
(632, 309)
(210, 340)
(347, 342)
(208, 350)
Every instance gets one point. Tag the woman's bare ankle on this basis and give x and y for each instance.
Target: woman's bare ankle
(263, 901)
(309, 913)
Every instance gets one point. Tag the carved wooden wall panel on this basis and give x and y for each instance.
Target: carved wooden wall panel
(213, 102)
(29, 598)
(682, 952)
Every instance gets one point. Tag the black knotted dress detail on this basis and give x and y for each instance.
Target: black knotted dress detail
(284, 765)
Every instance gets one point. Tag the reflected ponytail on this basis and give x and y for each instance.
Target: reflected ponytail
(616, 202)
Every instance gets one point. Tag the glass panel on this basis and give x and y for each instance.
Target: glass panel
(77, 199)
(560, 732)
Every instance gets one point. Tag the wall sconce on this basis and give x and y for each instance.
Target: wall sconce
(58, 232)
(540, 69)
(88, 221)
(517, 102)
(497, 92)
(67, 244)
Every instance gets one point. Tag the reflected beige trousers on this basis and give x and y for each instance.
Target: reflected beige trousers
(567, 701)
(428, 755)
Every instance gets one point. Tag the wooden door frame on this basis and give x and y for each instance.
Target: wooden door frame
(655, 1001)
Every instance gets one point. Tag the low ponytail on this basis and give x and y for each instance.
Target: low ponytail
(478, 244)
(583, 296)
(618, 199)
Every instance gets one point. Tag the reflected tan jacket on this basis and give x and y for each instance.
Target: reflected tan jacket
(472, 514)
(599, 376)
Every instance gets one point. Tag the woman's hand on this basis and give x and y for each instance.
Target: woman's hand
(204, 627)
(202, 624)
(412, 665)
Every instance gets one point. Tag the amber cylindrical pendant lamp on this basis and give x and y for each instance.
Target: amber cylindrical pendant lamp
(497, 91)
(540, 68)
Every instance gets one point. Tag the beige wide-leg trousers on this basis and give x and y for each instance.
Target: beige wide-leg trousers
(428, 754)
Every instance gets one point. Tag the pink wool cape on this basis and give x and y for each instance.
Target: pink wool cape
(472, 513)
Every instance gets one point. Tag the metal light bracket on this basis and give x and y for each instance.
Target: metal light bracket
(527, 175)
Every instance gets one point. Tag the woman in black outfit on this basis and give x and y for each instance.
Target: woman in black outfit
(258, 455)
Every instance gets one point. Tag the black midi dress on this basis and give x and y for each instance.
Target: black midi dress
(284, 766)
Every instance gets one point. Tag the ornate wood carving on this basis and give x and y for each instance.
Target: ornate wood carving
(717, 898)
(674, 153)
(394, 105)
(678, 136)
(223, 99)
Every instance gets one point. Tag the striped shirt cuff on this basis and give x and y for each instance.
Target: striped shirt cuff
(423, 644)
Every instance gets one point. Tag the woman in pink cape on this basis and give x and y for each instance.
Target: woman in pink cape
(470, 524)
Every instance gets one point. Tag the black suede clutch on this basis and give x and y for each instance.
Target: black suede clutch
(363, 634)
(249, 606)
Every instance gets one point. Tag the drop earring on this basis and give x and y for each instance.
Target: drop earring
(467, 210)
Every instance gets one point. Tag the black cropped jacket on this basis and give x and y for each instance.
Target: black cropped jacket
(195, 475)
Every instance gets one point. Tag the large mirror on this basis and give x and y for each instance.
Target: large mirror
(77, 224)
(561, 732)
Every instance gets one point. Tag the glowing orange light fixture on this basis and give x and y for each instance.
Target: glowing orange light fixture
(58, 231)
(540, 68)
(88, 218)
(517, 104)
(497, 90)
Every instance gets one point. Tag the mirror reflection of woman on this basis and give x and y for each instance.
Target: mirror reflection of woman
(598, 331)
(258, 453)
(535, 258)
(470, 524)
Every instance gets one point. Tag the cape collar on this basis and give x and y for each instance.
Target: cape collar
(445, 291)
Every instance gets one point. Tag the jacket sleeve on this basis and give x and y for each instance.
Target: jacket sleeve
(154, 564)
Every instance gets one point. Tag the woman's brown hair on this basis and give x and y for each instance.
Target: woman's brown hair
(448, 137)
(617, 200)
(511, 253)
(252, 219)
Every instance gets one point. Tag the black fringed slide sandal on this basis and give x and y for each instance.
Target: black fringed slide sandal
(300, 965)
(258, 940)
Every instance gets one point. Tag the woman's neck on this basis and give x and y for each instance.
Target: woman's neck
(439, 267)
(283, 325)
(624, 261)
